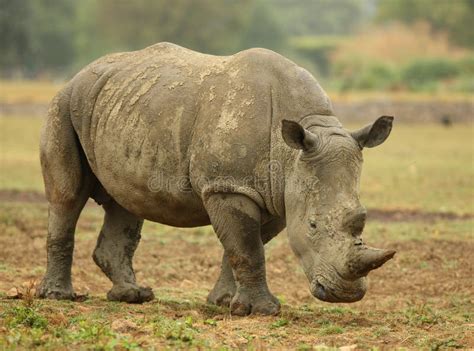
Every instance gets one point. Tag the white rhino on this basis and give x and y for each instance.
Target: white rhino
(248, 143)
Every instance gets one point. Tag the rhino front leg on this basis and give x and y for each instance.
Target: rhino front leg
(225, 287)
(236, 220)
(118, 240)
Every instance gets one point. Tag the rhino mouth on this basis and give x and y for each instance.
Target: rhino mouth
(324, 293)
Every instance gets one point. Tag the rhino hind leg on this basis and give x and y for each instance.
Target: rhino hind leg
(68, 181)
(225, 287)
(56, 283)
(236, 220)
(116, 245)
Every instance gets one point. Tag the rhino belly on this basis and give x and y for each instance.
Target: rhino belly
(154, 195)
(158, 202)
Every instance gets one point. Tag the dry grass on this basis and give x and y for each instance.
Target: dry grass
(397, 44)
(399, 96)
(19, 153)
(42, 92)
(27, 91)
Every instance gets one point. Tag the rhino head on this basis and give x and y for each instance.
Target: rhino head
(325, 218)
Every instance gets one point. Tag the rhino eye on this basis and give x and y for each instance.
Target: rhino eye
(312, 224)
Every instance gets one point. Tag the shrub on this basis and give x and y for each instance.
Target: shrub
(466, 65)
(28, 317)
(360, 75)
(317, 49)
(377, 76)
(464, 84)
(427, 75)
(398, 57)
(425, 71)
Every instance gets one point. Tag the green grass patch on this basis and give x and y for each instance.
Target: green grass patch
(279, 323)
(26, 316)
(330, 330)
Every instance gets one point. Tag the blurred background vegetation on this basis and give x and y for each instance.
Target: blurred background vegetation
(383, 45)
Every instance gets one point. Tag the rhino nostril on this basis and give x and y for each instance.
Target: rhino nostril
(355, 221)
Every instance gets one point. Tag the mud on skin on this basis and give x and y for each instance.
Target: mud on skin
(169, 111)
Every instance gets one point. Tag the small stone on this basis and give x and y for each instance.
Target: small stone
(13, 293)
(348, 347)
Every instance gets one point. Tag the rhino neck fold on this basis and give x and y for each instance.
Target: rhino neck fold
(276, 164)
(324, 121)
(282, 158)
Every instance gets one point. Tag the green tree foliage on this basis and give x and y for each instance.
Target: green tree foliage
(451, 16)
(263, 29)
(207, 25)
(57, 37)
(14, 33)
(14, 43)
(36, 35)
(321, 17)
(51, 35)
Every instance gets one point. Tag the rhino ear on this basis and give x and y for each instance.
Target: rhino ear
(374, 134)
(296, 136)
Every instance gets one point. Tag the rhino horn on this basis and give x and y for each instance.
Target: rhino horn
(366, 259)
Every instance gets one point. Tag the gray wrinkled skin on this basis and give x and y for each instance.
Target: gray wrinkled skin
(152, 134)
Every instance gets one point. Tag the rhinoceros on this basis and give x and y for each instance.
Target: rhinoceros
(247, 143)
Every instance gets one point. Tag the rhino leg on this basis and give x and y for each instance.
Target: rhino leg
(237, 221)
(225, 287)
(68, 182)
(117, 242)
(56, 283)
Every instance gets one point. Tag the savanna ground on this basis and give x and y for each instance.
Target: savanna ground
(418, 188)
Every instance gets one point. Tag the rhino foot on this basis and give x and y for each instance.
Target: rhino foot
(130, 293)
(49, 290)
(221, 296)
(243, 304)
(225, 287)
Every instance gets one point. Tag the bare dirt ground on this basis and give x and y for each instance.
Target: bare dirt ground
(421, 299)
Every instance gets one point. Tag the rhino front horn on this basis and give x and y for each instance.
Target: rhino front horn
(367, 259)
